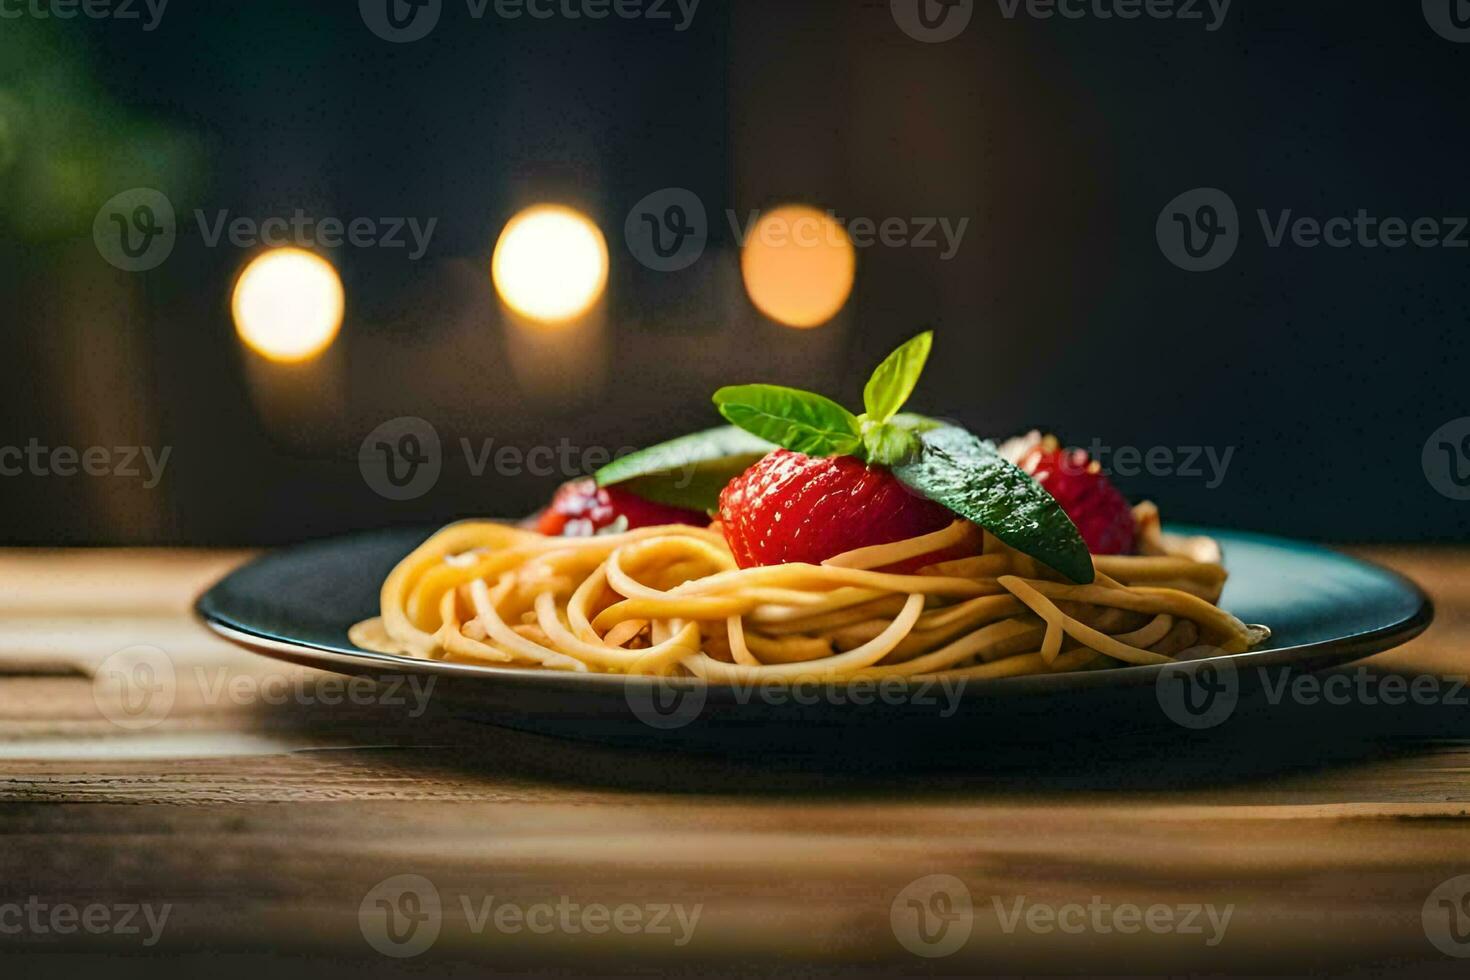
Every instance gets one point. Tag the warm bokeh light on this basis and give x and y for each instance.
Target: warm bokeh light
(550, 264)
(798, 265)
(288, 304)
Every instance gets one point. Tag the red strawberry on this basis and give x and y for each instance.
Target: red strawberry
(789, 507)
(582, 508)
(1099, 510)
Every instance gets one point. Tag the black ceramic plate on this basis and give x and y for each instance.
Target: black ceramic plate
(1323, 608)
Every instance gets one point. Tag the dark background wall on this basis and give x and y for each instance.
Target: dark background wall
(1322, 371)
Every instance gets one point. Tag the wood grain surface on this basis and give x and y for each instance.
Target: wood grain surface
(265, 819)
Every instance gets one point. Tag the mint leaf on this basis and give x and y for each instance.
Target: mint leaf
(966, 474)
(798, 420)
(893, 380)
(689, 471)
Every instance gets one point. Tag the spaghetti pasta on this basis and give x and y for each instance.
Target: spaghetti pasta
(671, 599)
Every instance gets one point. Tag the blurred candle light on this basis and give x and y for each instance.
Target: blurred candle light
(550, 269)
(288, 305)
(798, 264)
(550, 264)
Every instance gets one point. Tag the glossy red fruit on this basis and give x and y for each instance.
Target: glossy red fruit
(789, 507)
(582, 508)
(1099, 510)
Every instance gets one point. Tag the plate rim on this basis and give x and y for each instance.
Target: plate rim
(1317, 655)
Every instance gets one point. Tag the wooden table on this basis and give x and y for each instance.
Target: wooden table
(266, 822)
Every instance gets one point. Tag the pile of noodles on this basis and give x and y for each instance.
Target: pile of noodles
(671, 600)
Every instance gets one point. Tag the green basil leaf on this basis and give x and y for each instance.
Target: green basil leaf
(966, 474)
(889, 444)
(893, 380)
(689, 471)
(798, 420)
(697, 489)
